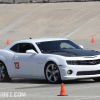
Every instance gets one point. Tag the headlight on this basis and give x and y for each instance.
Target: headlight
(72, 62)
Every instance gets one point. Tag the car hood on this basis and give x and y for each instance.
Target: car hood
(76, 52)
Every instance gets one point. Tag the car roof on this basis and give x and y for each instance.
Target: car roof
(34, 41)
(41, 40)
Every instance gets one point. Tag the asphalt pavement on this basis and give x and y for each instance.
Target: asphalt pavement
(78, 21)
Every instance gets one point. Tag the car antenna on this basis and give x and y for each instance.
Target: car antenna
(30, 38)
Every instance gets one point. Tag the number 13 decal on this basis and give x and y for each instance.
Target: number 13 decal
(17, 65)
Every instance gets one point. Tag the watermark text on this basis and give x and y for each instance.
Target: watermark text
(12, 94)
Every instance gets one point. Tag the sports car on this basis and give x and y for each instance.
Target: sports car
(53, 59)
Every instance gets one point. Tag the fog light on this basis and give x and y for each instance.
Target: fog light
(69, 72)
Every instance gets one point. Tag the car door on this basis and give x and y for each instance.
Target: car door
(25, 64)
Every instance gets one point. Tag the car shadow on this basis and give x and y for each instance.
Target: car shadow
(46, 84)
(29, 81)
(35, 81)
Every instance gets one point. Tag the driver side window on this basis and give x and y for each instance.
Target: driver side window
(23, 47)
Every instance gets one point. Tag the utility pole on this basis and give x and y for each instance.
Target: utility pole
(48, 1)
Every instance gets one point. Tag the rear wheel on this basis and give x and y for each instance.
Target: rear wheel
(3, 73)
(52, 73)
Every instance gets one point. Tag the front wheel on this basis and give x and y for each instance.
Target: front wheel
(52, 73)
(3, 73)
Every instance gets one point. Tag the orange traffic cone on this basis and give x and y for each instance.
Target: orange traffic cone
(8, 42)
(62, 93)
(93, 41)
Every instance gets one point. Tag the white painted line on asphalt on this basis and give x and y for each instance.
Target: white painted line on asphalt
(10, 26)
(81, 27)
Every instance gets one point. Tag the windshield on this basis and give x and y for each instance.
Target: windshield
(56, 45)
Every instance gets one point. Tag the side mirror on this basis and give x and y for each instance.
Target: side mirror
(81, 46)
(31, 51)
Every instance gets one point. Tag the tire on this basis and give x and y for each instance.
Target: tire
(97, 79)
(4, 77)
(52, 73)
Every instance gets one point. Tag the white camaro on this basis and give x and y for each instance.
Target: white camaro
(53, 59)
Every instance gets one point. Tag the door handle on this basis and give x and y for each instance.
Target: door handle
(16, 57)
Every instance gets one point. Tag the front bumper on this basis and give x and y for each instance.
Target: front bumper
(79, 68)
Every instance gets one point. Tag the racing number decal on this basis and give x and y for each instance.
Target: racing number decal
(17, 65)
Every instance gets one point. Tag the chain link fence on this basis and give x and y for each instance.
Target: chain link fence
(51, 1)
(42, 1)
(15, 1)
(54, 1)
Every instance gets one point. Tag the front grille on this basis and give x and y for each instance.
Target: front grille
(85, 62)
(88, 72)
